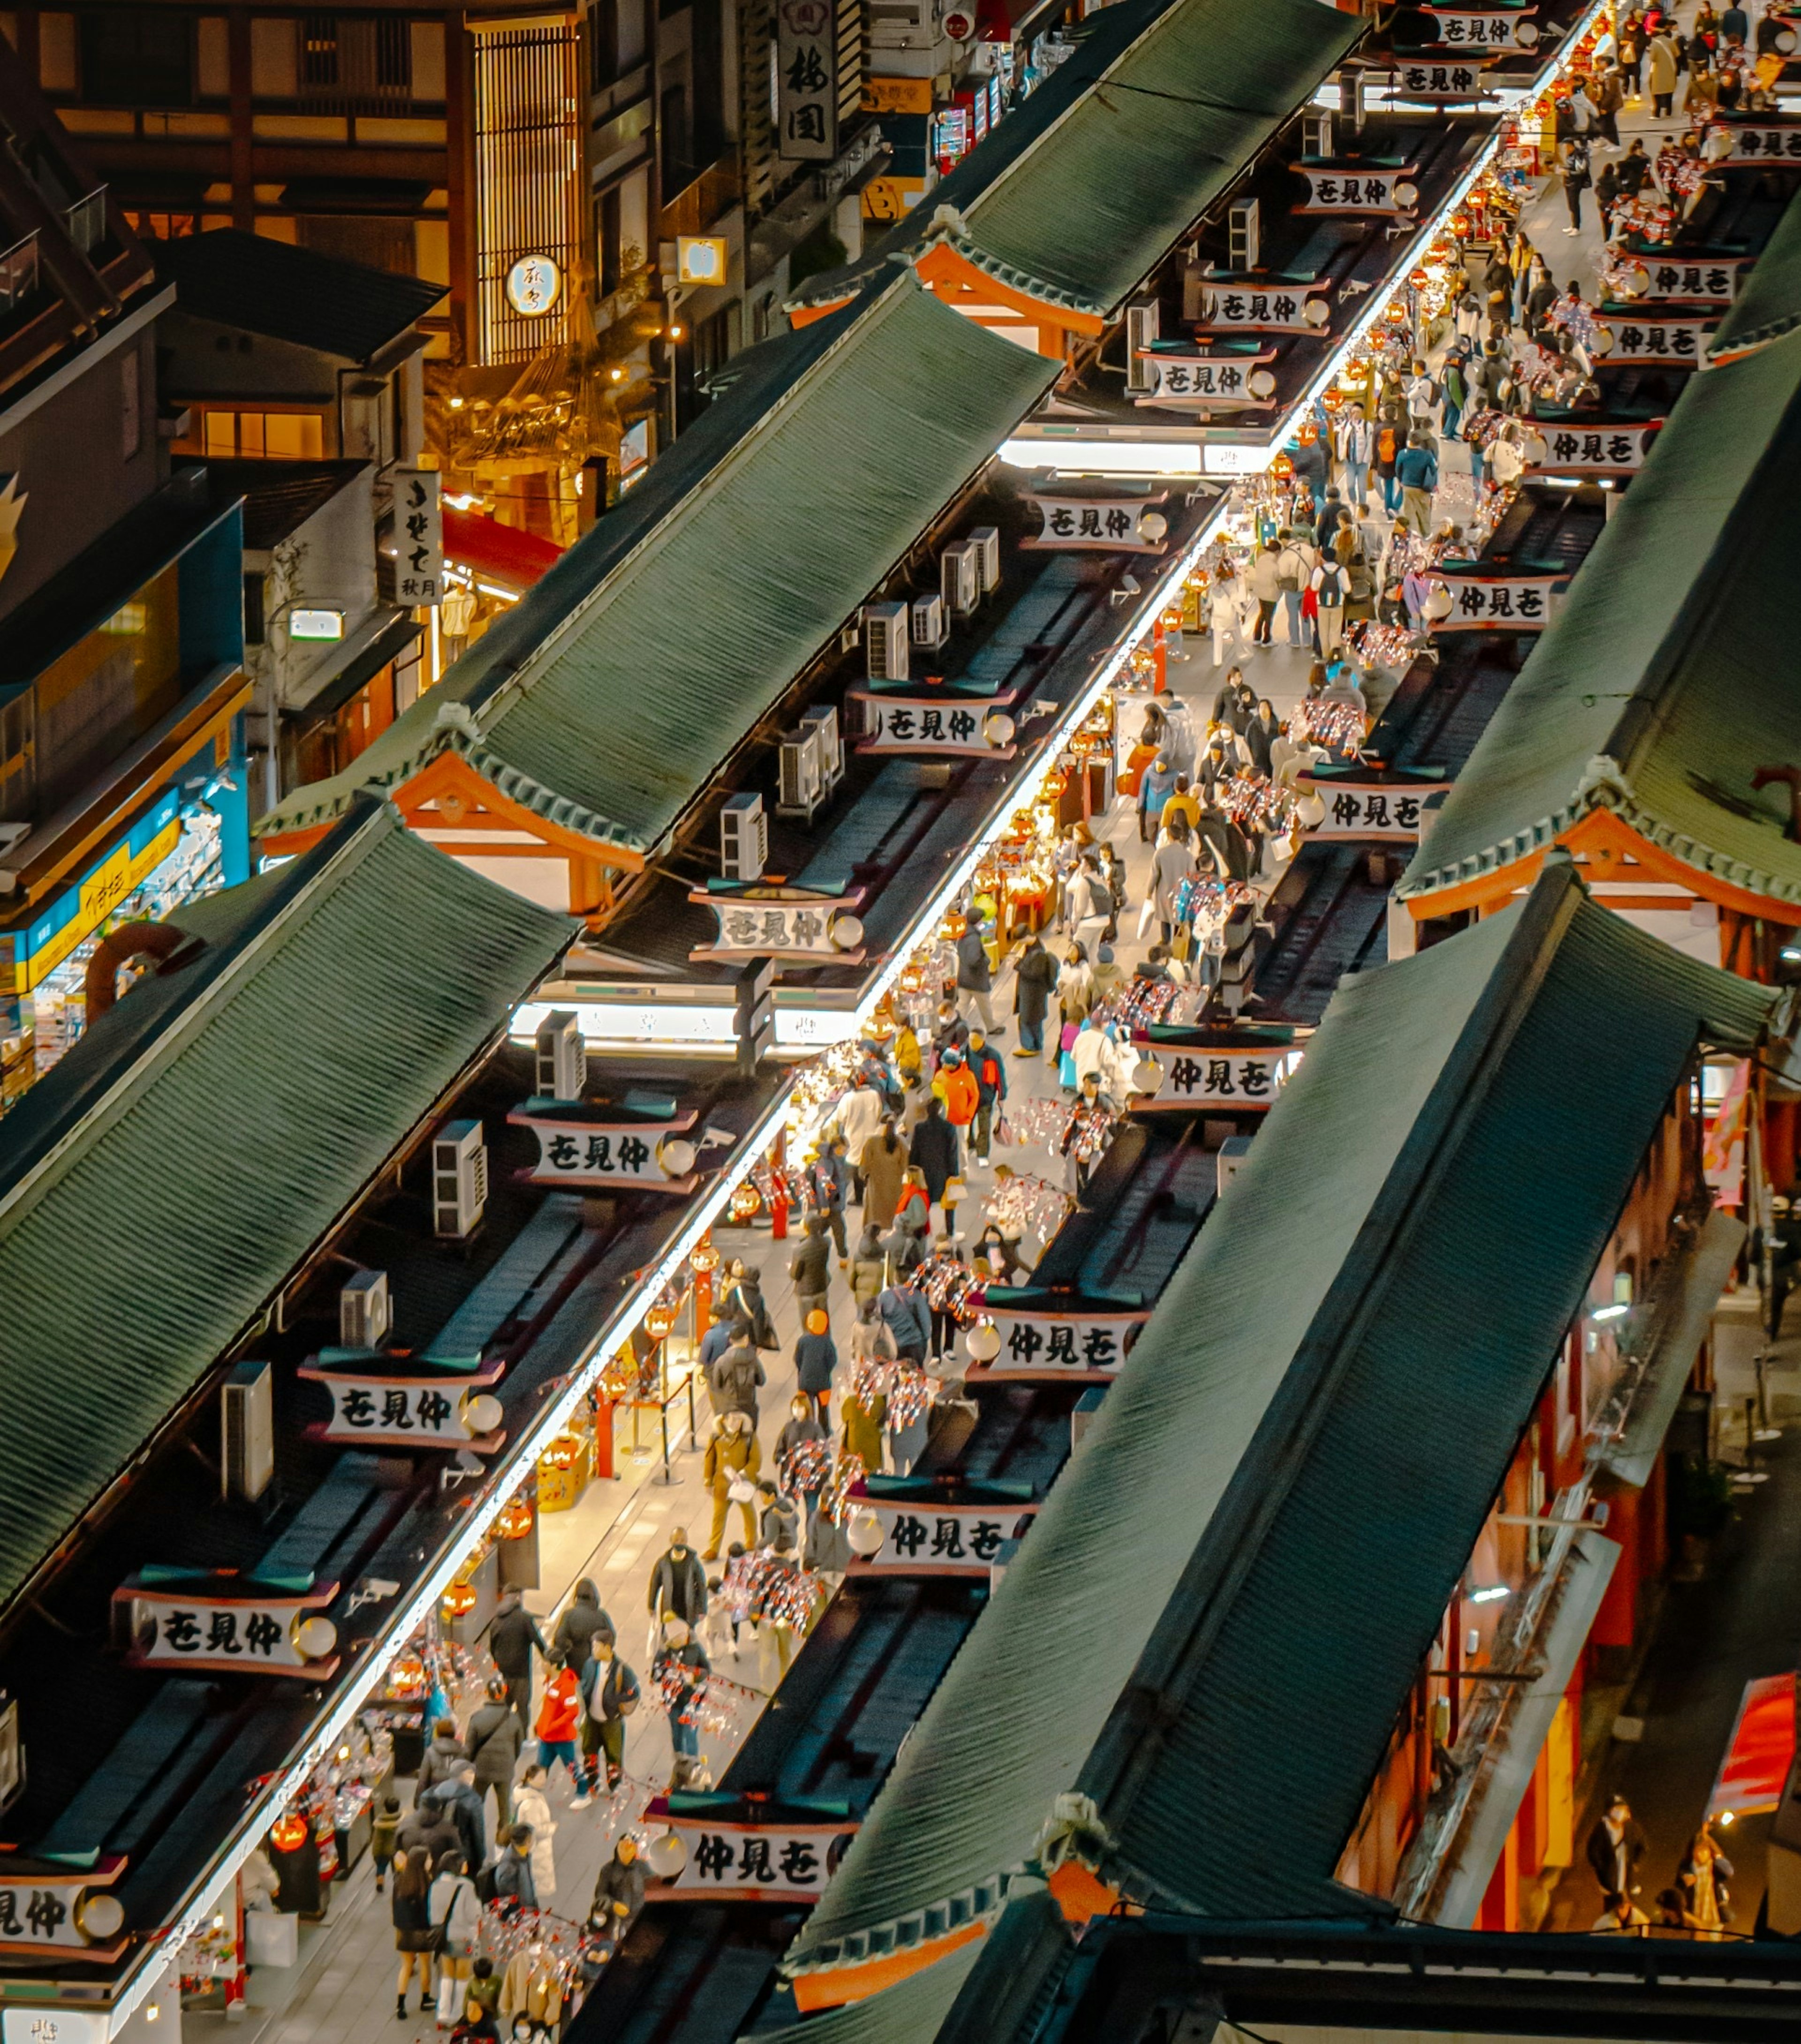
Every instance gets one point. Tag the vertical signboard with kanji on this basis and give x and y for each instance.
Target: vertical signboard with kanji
(419, 537)
(807, 83)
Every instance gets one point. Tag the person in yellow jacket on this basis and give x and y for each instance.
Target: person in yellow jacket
(732, 1456)
(862, 1411)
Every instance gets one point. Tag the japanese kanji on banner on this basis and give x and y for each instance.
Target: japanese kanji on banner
(575, 1150)
(920, 1539)
(1713, 280)
(1496, 603)
(1105, 524)
(1391, 191)
(806, 50)
(910, 723)
(1639, 336)
(777, 1862)
(419, 536)
(763, 920)
(398, 1402)
(1497, 28)
(40, 1911)
(231, 1625)
(1761, 141)
(1387, 814)
(1590, 450)
(1037, 1339)
(1455, 78)
(1234, 306)
(1206, 379)
(1225, 1077)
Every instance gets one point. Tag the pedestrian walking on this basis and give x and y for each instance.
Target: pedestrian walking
(729, 1469)
(815, 1355)
(1663, 61)
(1576, 179)
(416, 1936)
(975, 978)
(1265, 589)
(610, 1696)
(619, 1894)
(443, 1756)
(1701, 1883)
(826, 1183)
(581, 1619)
(383, 1829)
(678, 1586)
(558, 1715)
(1035, 975)
(533, 1808)
(744, 1298)
(988, 1069)
(1616, 1845)
(1417, 472)
(934, 1151)
(810, 1267)
(514, 1881)
(493, 1743)
(1224, 613)
(456, 1917)
(680, 1673)
(883, 1164)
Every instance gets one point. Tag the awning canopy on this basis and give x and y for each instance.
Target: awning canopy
(1760, 1750)
(495, 553)
(1682, 1328)
(384, 639)
(1651, 702)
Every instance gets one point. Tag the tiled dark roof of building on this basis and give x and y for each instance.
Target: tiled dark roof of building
(294, 294)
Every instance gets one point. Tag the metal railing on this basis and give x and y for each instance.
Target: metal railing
(87, 221)
(18, 273)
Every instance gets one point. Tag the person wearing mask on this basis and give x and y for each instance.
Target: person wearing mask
(827, 1182)
(493, 1743)
(610, 1696)
(729, 1469)
(1075, 987)
(1265, 578)
(956, 1086)
(513, 1633)
(533, 1808)
(1260, 741)
(679, 1583)
(514, 1883)
(804, 1425)
(975, 978)
(456, 1913)
(810, 1268)
(415, 1935)
(619, 1894)
(1223, 611)
(583, 1617)
(816, 1355)
(883, 1164)
(1035, 975)
(1417, 472)
(989, 1069)
(680, 1673)
(934, 1151)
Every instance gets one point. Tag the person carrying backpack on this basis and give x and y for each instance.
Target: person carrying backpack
(1292, 568)
(610, 1696)
(1330, 585)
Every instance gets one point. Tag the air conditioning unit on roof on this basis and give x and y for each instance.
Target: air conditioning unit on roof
(744, 837)
(459, 1163)
(884, 640)
(930, 627)
(1143, 324)
(365, 1313)
(960, 579)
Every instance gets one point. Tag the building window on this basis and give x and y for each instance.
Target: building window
(319, 50)
(143, 57)
(162, 226)
(603, 45)
(262, 435)
(606, 240)
(677, 145)
(253, 631)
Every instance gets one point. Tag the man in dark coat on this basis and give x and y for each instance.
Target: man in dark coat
(493, 1743)
(735, 1379)
(513, 1870)
(428, 1827)
(461, 1802)
(810, 1267)
(619, 1894)
(933, 1150)
(1034, 976)
(678, 1583)
(907, 1316)
(513, 1632)
(1616, 1845)
(579, 1623)
(975, 979)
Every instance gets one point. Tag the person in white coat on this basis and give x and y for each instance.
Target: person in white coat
(1092, 1052)
(1225, 611)
(531, 1805)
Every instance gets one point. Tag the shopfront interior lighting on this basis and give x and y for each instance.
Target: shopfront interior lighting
(1489, 1593)
(1614, 1312)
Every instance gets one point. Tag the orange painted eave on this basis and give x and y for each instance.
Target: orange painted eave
(805, 315)
(833, 1986)
(945, 270)
(1600, 833)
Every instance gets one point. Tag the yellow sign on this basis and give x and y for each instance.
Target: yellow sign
(892, 198)
(897, 95)
(101, 892)
(701, 259)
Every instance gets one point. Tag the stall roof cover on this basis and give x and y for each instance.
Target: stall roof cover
(609, 698)
(1665, 682)
(1768, 305)
(164, 1179)
(1403, 1173)
(1077, 195)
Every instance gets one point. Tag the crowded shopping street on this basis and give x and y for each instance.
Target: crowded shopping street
(900, 1103)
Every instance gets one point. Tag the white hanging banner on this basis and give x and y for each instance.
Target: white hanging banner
(1592, 450)
(419, 1409)
(770, 921)
(1242, 305)
(731, 1862)
(1209, 379)
(1383, 815)
(1441, 77)
(806, 50)
(1044, 1343)
(1497, 603)
(911, 723)
(1761, 141)
(40, 1912)
(1203, 1078)
(938, 1539)
(1639, 336)
(1106, 524)
(247, 1632)
(1713, 280)
(1392, 191)
(1494, 29)
(646, 1156)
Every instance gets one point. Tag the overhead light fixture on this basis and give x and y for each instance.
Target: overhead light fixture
(1614, 1312)
(1489, 1593)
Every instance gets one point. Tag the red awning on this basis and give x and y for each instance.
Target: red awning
(1760, 1750)
(493, 552)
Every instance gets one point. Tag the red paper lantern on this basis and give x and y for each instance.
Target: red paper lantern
(288, 1834)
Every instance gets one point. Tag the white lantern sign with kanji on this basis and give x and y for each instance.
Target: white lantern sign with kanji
(734, 1862)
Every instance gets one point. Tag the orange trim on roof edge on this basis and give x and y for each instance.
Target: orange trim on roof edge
(832, 1987)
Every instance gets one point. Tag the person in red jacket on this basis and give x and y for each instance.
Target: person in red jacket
(957, 1087)
(988, 1069)
(558, 1716)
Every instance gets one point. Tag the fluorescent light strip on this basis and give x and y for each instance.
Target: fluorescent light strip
(549, 1424)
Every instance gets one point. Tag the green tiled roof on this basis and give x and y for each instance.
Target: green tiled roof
(610, 696)
(1077, 195)
(164, 1179)
(1665, 683)
(1769, 303)
(1462, 1130)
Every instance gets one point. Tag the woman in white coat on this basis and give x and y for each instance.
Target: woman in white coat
(531, 1805)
